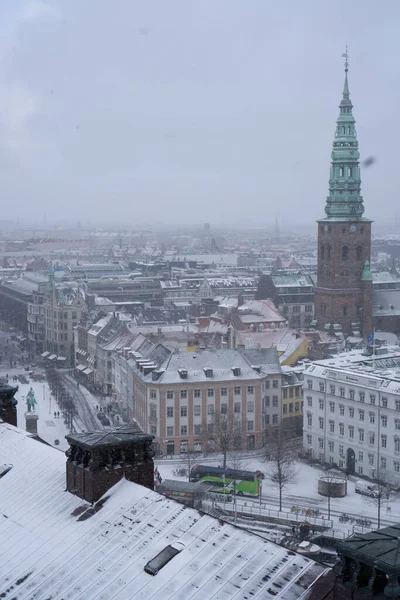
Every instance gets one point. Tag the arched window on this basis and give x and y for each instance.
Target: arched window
(359, 252)
(322, 252)
(323, 308)
(343, 129)
(350, 172)
(328, 253)
(349, 130)
(345, 310)
(341, 172)
(345, 253)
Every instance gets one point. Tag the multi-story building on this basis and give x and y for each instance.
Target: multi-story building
(352, 413)
(63, 309)
(35, 316)
(21, 305)
(292, 400)
(295, 298)
(141, 289)
(176, 396)
(344, 287)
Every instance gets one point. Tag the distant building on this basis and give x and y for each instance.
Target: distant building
(343, 293)
(292, 400)
(295, 297)
(21, 305)
(63, 308)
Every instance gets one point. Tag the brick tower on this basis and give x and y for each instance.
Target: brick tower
(344, 286)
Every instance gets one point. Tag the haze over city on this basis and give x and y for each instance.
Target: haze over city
(179, 112)
(199, 300)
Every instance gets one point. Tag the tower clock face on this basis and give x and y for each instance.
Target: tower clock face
(352, 228)
(326, 228)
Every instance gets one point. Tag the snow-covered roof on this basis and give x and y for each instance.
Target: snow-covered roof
(385, 303)
(55, 547)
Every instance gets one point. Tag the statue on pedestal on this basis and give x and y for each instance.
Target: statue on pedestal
(30, 401)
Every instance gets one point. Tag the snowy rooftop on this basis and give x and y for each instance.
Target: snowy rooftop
(53, 547)
(220, 362)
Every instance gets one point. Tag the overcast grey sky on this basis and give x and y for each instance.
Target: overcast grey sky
(185, 111)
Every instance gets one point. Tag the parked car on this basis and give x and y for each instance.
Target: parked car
(367, 489)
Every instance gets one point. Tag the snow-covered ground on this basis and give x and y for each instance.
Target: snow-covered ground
(302, 493)
(49, 427)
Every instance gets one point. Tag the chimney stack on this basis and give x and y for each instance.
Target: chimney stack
(98, 460)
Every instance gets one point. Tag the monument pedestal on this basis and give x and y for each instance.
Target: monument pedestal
(31, 420)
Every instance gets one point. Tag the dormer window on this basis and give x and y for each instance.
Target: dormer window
(208, 372)
(183, 373)
(236, 371)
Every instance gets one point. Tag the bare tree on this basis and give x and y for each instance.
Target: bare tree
(384, 488)
(280, 459)
(188, 460)
(237, 462)
(226, 428)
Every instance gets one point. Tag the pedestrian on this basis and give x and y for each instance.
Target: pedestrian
(294, 530)
(389, 510)
(55, 414)
(58, 414)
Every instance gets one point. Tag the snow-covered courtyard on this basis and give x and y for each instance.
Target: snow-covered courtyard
(302, 493)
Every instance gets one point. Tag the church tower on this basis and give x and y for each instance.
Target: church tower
(344, 286)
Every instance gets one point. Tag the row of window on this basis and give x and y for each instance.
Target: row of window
(267, 419)
(267, 401)
(371, 457)
(293, 407)
(352, 395)
(361, 413)
(210, 409)
(361, 434)
(326, 253)
(296, 392)
(59, 336)
(197, 429)
(210, 392)
(61, 315)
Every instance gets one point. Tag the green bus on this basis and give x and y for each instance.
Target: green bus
(242, 483)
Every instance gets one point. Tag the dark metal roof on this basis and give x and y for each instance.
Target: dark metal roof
(380, 548)
(7, 391)
(121, 436)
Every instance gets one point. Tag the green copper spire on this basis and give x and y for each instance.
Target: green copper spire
(366, 274)
(345, 201)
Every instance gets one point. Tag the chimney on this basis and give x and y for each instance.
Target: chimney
(98, 460)
(8, 404)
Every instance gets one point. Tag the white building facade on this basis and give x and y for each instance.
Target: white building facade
(352, 418)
